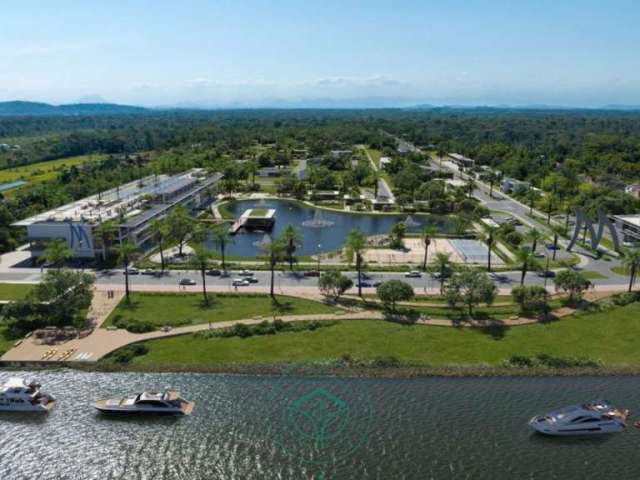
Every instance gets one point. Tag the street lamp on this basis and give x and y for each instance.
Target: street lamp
(546, 272)
(319, 247)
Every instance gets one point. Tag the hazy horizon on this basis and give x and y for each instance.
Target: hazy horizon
(337, 54)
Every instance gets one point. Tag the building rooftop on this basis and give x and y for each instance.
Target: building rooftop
(630, 219)
(130, 201)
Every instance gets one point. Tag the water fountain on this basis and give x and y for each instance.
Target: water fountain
(318, 221)
(409, 222)
(263, 242)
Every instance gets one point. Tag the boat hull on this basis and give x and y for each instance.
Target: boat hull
(184, 410)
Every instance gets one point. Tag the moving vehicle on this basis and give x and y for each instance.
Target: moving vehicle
(413, 274)
(546, 273)
(246, 273)
(17, 395)
(168, 402)
(149, 271)
(240, 282)
(187, 282)
(312, 273)
(214, 272)
(133, 271)
(252, 279)
(592, 418)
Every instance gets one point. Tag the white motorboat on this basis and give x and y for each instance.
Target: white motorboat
(168, 402)
(19, 396)
(591, 418)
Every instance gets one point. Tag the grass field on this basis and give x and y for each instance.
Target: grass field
(43, 171)
(6, 342)
(188, 309)
(14, 291)
(593, 275)
(609, 337)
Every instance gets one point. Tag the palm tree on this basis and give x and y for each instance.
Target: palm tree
(534, 235)
(557, 231)
(532, 197)
(549, 202)
(105, 232)
(200, 260)
(528, 261)
(274, 251)
(126, 253)
(292, 238)
(252, 169)
(57, 252)
(160, 231)
(470, 186)
(376, 181)
(442, 263)
(490, 240)
(355, 246)
(631, 263)
(221, 237)
(427, 235)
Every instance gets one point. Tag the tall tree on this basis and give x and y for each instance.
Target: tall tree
(292, 238)
(534, 235)
(127, 252)
(557, 231)
(355, 246)
(532, 197)
(57, 252)
(221, 237)
(426, 236)
(105, 231)
(489, 238)
(181, 226)
(274, 251)
(527, 261)
(442, 264)
(160, 232)
(631, 263)
(200, 260)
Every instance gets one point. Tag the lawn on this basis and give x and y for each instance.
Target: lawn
(14, 291)
(43, 171)
(6, 341)
(593, 275)
(608, 336)
(163, 309)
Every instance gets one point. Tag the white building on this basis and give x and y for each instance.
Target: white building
(130, 207)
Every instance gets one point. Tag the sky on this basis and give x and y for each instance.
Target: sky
(244, 53)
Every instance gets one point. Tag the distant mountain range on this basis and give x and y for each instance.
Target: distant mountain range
(17, 108)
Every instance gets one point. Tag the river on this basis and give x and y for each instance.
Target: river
(247, 427)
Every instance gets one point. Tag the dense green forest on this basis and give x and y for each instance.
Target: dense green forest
(580, 157)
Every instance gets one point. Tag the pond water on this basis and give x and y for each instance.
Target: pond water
(252, 427)
(322, 230)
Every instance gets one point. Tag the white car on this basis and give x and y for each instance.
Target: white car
(240, 282)
(413, 274)
(246, 273)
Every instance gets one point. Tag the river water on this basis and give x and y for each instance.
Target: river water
(246, 427)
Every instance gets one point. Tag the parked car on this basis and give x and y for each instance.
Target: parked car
(240, 282)
(312, 273)
(546, 273)
(133, 271)
(187, 281)
(214, 272)
(413, 274)
(246, 273)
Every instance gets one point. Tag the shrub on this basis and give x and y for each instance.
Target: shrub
(128, 353)
(385, 362)
(134, 326)
(514, 238)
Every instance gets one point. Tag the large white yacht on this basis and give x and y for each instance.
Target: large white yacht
(591, 418)
(19, 396)
(168, 402)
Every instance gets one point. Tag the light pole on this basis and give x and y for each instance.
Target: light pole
(319, 247)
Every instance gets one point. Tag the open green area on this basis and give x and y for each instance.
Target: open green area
(593, 275)
(6, 340)
(161, 309)
(259, 212)
(609, 337)
(14, 291)
(620, 270)
(43, 171)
